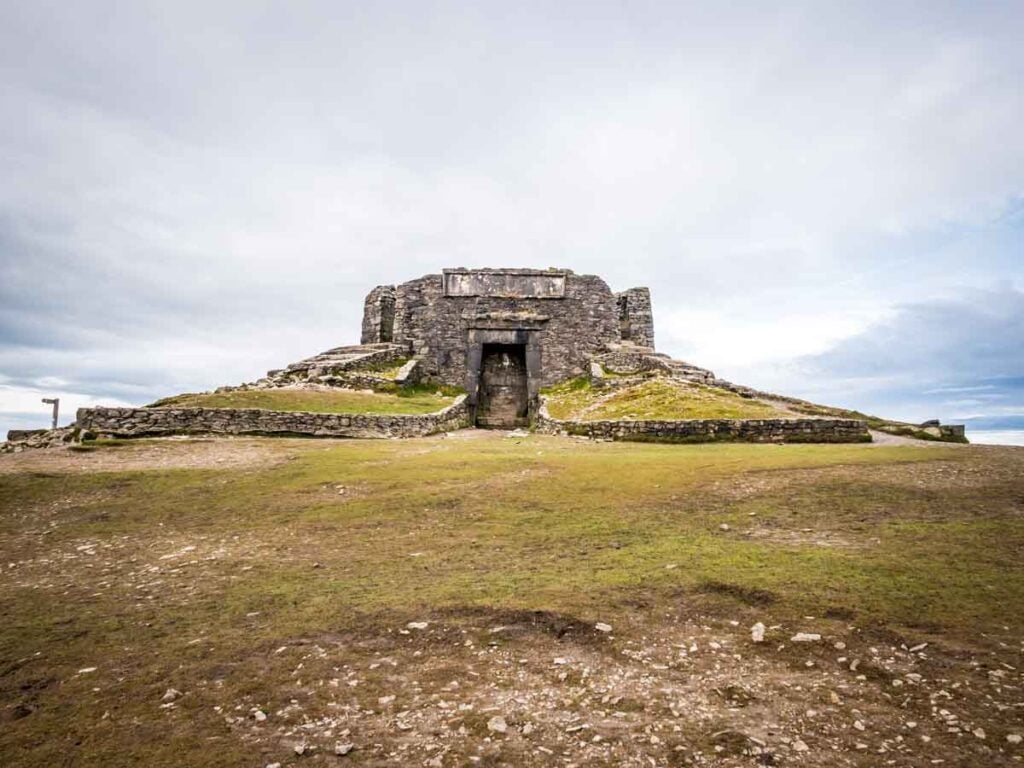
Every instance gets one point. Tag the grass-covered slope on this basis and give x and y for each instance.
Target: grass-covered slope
(899, 428)
(416, 401)
(656, 398)
(426, 602)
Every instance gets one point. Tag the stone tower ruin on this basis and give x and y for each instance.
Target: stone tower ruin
(503, 334)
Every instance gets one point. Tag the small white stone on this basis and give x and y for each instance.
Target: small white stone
(86, 670)
(799, 746)
(757, 633)
(805, 637)
(979, 733)
(602, 627)
(723, 527)
(343, 749)
(171, 694)
(418, 624)
(497, 724)
(259, 715)
(858, 725)
(384, 700)
(1014, 738)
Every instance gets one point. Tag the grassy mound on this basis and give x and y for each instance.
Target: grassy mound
(412, 402)
(658, 398)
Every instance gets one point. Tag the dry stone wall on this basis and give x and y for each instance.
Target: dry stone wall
(809, 430)
(149, 422)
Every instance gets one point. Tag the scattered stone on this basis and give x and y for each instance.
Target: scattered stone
(602, 627)
(497, 724)
(724, 527)
(1014, 738)
(385, 700)
(259, 715)
(757, 633)
(858, 725)
(979, 733)
(171, 694)
(418, 624)
(805, 637)
(87, 670)
(343, 748)
(799, 746)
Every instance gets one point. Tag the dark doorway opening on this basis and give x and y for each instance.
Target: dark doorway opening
(503, 402)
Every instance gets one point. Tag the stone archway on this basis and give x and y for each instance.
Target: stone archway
(503, 401)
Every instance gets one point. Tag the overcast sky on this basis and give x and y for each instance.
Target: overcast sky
(825, 201)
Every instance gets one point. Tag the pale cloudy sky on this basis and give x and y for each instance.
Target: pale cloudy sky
(826, 199)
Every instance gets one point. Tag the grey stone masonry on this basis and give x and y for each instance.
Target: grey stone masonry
(636, 320)
(560, 316)
(148, 422)
(806, 430)
(379, 315)
(339, 360)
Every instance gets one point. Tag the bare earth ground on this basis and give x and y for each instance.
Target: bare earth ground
(478, 599)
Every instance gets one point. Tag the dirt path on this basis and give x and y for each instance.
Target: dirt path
(156, 453)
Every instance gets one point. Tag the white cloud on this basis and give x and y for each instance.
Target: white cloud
(194, 194)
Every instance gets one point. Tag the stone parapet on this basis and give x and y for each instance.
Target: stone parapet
(805, 430)
(151, 422)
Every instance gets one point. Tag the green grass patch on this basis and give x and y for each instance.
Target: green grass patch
(659, 398)
(414, 401)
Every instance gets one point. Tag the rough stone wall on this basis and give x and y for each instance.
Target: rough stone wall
(712, 430)
(143, 422)
(636, 318)
(566, 329)
(335, 362)
(378, 315)
(631, 360)
(25, 439)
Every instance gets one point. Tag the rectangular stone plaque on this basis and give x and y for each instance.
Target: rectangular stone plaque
(515, 285)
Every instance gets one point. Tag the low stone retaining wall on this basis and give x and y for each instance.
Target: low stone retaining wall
(27, 439)
(807, 430)
(150, 422)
